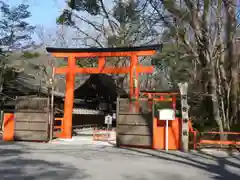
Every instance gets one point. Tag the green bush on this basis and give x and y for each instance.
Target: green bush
(29, 55)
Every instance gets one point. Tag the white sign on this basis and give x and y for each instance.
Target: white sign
(166, 114)
(108, 119)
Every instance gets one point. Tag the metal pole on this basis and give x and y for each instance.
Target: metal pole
(52, 105)
(1, 121)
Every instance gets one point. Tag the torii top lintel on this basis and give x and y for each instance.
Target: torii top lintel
(132, 52)
(98, 52)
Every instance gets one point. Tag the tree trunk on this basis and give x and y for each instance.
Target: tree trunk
(215, 100)
(231, 56)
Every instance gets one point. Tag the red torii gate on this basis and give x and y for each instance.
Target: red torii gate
(72, 53)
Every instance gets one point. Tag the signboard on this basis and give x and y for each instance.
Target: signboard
(166, 114)
(108, 119)
(114, 116)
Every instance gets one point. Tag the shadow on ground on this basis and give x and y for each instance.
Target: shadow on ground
(221, 167)
(41, 161)
(16, 165)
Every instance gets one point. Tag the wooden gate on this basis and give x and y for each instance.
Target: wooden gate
(32, 119)
(134, 123)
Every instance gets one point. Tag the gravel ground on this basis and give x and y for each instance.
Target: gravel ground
(88, 161)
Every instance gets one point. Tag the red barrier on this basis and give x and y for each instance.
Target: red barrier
(59, 134)
(103, 135)
(211, 142)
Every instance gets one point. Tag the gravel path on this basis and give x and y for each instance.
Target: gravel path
(56, 161)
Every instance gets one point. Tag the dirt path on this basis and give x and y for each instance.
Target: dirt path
(32, 161)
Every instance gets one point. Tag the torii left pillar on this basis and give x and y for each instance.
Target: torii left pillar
(68, 105)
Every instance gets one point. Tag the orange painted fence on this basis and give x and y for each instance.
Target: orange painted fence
(8, 127)
(199, 141)
(104, 134)
(174, 134)
(159, 127)
(159, 135)
(58, 128)
(101, 135)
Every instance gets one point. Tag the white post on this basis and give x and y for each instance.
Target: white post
(166, 115)
(166, 148)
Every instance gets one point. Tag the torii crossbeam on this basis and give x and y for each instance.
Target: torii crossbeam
(72, 53)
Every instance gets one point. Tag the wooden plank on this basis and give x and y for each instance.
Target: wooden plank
(144, 119)
(134, 140)
(31, 125)
(134, 130)
(31, 135)
(27, 117)
(135, 107)
(25, 104)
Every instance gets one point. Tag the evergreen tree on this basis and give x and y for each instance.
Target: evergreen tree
(15, 34)
(15, 31)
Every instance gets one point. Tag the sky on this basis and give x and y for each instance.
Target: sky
(44, 12)
(238, 10)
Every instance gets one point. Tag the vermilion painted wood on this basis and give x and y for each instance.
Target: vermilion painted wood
(214, 142)
(105, 54)
(219, 142)
(104, 70)
(212, 132)
(68, 104)
(8, 127)
(72, 69)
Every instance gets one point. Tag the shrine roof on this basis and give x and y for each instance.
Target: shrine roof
(115, 49)
(100, 85)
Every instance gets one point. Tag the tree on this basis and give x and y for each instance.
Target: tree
(206, 32)
(15, 34)
(124, 24)
(15, 31)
